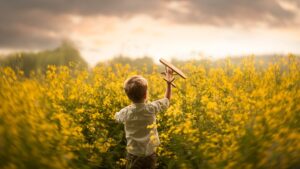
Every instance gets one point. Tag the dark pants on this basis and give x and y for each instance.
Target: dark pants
(136, 162)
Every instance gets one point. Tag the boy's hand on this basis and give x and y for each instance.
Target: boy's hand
(169, 75)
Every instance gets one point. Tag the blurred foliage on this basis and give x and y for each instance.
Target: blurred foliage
(143, 63)
(234, 117)
(37, 62)
(260, 61)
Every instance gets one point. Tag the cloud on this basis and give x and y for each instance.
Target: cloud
(228, 12)
(297, 2)
(35, 24)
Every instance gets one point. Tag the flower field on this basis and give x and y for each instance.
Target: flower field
(229, 116)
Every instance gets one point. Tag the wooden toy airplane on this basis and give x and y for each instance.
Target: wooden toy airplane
(174, 69)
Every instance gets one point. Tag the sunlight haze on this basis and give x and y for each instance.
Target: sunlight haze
(180, 29)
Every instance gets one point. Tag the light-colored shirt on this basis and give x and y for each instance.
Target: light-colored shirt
(140, 126)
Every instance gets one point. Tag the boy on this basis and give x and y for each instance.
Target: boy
(139, 120)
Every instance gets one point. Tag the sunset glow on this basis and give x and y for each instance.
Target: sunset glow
(165, 29)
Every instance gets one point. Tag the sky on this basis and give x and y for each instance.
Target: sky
(184, 29)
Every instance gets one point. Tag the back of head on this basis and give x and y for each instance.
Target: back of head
(136, 88)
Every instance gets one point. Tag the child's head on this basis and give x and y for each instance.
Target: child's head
(136, 88)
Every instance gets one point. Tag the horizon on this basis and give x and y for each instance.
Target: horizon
(193, 56)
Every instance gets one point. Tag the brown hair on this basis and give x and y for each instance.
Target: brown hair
(136, 88)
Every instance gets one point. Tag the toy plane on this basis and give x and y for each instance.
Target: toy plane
(175, 70)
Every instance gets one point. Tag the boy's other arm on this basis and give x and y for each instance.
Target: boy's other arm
(120, 116)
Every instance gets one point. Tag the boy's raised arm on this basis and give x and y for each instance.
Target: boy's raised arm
(168, 91)
(163, 104)
(169, 76)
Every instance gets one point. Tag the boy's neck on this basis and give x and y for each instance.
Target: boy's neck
(141, 102)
